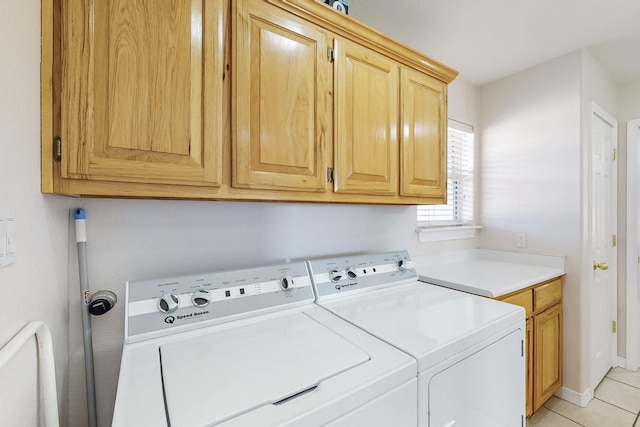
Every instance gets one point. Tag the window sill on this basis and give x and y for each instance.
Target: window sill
(438, 234)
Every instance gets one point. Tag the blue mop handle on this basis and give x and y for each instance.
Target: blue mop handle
(81, 226)
(85, 299)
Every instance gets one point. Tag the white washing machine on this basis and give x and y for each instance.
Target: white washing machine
(469, 350)
(250, 348)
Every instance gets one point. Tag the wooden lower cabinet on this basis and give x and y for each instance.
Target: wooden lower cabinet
(543, 306)
(530, 358)
(548, 354)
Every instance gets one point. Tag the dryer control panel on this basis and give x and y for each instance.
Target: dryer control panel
(163, 306)
(340, 275)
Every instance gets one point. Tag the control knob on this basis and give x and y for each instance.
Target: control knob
(352, 273)
(168, 303)
(335, 275)
(201, 298)
(400, 265)
(286, 283)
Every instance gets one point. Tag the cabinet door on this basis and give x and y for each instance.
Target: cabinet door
(366, 121)
(141, 90)
(530, 354)
(424, 137)
(281, 98)
(548, 354)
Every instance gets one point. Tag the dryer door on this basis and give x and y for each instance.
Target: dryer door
(485, 389)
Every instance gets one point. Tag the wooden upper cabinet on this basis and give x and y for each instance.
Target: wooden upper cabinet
(366, 121)
(237, 100)
(140, 90)
(424, 137)
(281, 93)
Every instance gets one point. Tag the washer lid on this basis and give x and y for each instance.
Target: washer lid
(220, 375)
(428, 322)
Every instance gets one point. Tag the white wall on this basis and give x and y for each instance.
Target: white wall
(531, 178)
(464, 102)
(534, 178)
(35, 287)
(628, 104)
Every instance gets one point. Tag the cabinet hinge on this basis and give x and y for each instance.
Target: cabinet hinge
(330, 55)
(614, 240)
(615, 154)
(57, 149)
(614, 326)
(330, 175)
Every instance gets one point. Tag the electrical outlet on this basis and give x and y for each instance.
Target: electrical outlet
(521, 240)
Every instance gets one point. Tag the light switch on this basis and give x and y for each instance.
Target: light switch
(11, 233)
(7, 237)
(3, 237)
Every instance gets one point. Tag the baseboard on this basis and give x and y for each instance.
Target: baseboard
(622, 362)
(579, 399)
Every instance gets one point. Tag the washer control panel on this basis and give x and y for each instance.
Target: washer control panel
(161, 306)
(341, 275)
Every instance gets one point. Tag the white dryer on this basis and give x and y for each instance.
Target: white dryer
(469, 350)
(250, 348)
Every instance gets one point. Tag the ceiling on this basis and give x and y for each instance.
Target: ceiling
(489, 39)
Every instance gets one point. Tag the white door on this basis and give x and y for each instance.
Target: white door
(633, 246)
(603, 286)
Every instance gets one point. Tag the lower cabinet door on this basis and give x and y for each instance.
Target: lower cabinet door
(530, 355)
(548, 354)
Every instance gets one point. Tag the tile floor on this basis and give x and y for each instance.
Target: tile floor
(616, 404)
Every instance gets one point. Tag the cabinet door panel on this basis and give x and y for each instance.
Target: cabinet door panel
(280, 90)
(423, 148)
(141, 90)
(548, 354)
(366, 117)
(547, 295)
(530, 347)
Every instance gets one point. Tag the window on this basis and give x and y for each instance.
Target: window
(459, 209)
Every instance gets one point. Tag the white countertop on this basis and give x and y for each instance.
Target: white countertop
(487, 272)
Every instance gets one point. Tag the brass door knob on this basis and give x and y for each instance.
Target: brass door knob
(600, 265)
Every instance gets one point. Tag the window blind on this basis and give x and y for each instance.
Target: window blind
(460, 181)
